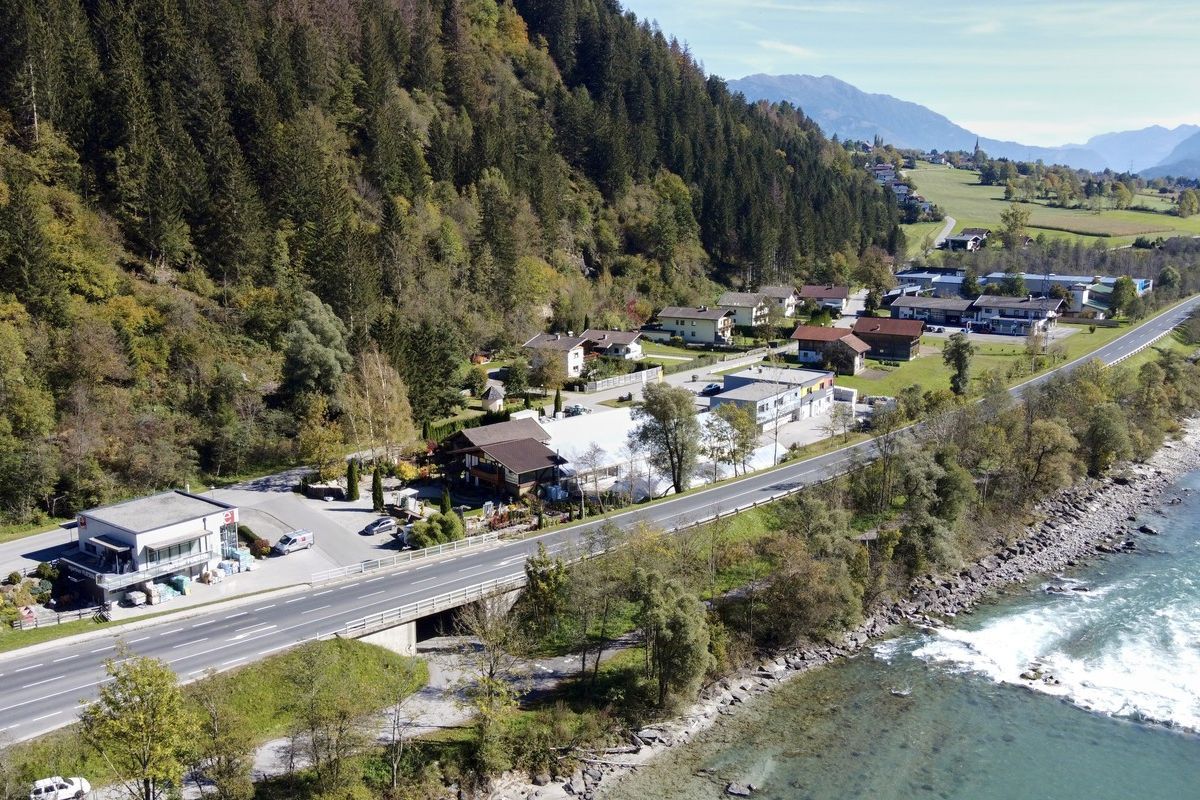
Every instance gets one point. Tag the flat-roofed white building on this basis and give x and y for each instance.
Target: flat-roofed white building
(778, 395)
(166, 534)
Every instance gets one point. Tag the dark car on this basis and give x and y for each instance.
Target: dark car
(381, 525)
(711, 389)
(577, 410)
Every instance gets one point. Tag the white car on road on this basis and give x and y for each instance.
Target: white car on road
(57, 788)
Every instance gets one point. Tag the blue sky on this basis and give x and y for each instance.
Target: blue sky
(1036, 72)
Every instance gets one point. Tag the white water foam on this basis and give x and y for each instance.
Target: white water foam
(1111, 651)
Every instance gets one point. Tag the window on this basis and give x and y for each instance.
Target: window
(172, 552)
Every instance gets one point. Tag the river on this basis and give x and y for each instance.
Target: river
(948, 714)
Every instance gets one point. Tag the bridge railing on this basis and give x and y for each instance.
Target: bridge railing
(399, 559)
(430, 605)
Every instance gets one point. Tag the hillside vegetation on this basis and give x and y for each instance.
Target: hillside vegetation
(228, 228)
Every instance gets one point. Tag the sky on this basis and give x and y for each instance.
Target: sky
(1042, 72)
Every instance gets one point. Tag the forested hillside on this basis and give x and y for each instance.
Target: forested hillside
(226, 224)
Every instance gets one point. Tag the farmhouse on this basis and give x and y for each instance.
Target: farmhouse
(890, 339)
(836, 348)
(160, 536)
(749, 309)
(776, 394)
(698, 325)
(933, 310)
(828, 296)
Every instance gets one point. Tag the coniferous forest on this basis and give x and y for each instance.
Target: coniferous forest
(219, 217)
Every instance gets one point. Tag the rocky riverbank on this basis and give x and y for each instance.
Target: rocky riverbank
(1093, 518)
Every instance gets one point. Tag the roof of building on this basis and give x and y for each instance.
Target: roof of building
(882, 326)
(505, 432)
(1002, 301)
(778, 292)
(521, 455)
(827, 292)
(777, 375)
(815, 333)
(943, 303)
(156, 511)
(742, 299)
(755, 391)
(600, 336)
(494, 392)
(982, 232)
(694, 312)
(554, 341)
(963, 237)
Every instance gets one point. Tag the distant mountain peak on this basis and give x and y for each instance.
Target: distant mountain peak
(845, 110)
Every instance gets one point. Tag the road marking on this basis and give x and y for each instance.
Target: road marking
(381, 577)
(46, 716)
(294, 600)
(250, 627)
(427, 580)
(233, 661)
(348, 586)
(264, 608)
(311, 610)
(261, 629)
(371, 594)
(194, 641)
(235, 616)
(168, 633)
(473, 566)
(64, 658)
(206, 622)
(46, 680)
(144, 638)
(22, 669)
(102, 649)
(318, 594)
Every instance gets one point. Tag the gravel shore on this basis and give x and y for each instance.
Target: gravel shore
(1093, 518)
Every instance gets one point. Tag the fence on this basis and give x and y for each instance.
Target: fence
(432, 605)
(47, 620)
(375, 565)
(652, 375)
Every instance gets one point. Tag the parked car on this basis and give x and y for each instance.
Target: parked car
(937, 329)
(57, 788)
(296, 540)
(577, 410)
(381, 525)
(711, 389)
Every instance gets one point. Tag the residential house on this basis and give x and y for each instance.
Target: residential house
(613, 344)
(900, 191)
(749, 309)
(1015, 316)
(933, 310)
(492, 398)
(834, 298)
(890, 339)
(508, 457)
(982, 233)
(837, 348)
(778, 395)
(567, 349)
(883, 173)
(148, 539)
(469, 440)
(785, 299)
(937, 158)
(962, 241)
(695, 325)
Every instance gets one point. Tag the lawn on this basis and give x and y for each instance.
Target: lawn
(258, 693)
(960, 195)
(915, 234)
(665, 354)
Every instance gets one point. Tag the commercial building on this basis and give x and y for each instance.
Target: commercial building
(1015, 316)
(778, 395)
(933, 310)
(150, 538)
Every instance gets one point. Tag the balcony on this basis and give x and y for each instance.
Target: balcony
(87, 565)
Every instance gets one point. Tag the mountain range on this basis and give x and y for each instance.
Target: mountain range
(850, 113)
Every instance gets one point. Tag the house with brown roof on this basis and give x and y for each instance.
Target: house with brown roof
(836, 348)
(470, 439)
(784, 298)
(695, 325)
(613, 344)
(749, 309)
(510, 457)
(890, 339)
(828, 296)
(567, 349)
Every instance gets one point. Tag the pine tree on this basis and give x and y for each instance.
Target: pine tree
(558, 404)
(352, 479)
(377, 490)
(446, 506)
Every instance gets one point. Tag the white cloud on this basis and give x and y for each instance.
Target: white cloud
(786, 47)
(984, 28)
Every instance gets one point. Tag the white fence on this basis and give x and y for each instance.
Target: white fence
(652, 375)
(431, 605)
(406, 557)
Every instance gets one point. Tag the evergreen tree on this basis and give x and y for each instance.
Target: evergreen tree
(352, 479)
(377, 490)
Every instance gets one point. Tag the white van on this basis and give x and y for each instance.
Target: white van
(57, 788)
(296, 540)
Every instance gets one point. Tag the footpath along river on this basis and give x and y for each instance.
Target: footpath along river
(1113, 712)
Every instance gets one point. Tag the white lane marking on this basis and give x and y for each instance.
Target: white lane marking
(371, 594)
(144, 638)
(465, 569)
(235, 616)
(294, 600)
(194, 641)
(348, 586)
(318, 594)
(251, 627)
(55, 694)
(233, 661)
(260, 630)
(311, 610)
(46, 680)
(264, 608)
(381, 577)
(427, 580)
(168, 633)
(64, 658)
(102, 649)
(206, 622)
(22, 669)
(46, 716)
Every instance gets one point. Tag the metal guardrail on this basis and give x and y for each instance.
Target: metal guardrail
(406, 557)
(423, 608)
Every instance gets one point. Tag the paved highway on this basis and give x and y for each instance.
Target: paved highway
(41, 688)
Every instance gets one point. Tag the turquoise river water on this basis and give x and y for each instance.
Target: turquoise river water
(1121, 723)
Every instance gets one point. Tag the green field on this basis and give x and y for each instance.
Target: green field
(915, 234)
(960, 195)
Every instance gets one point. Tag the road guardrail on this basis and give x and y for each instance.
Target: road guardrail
(399, 559)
